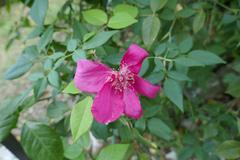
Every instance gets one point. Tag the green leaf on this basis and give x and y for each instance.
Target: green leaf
(54, 79)
(228, 18)
(121, 20)
(114, 151)
(78, 54)
(205, 57)
(173, 91)
(229, 149)
(39, 87)
(27, 103)
(9, 111)
(236, 66)
(125, 8)
(156, 5)
(143, 156)
(89, 35)
(57, 109)
(144, 68)
(81, 118)
(58, 63)
(41, 142)
(24, 63)
(85, 140)
(45, 38)
(186, 45)
(113, 58)
(160, 49)
(140, 124)
(79, 30)
(7, 123)
(99, 130)
(8, 118)
(150, 29)
(167, 14)
(125, 134)
(234, 88)
(38, 11)
(186, 153)
(238, 125)
(72, 151)
(151, 111)
(178, 76)
(48, 64)
(99, 39)
(159, 128)
(35, 76)
(35, 32)
(95, 17)
(56, 55)
(199, 58)
(81, 157)
(188, 62)
(72, 45)
(185, 13)
(17, 70)
(198, 21)
(155, 77)
(210, 131)
(71, 88)
(158, 65)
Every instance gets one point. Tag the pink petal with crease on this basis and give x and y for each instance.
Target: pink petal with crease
(133, 58)
(108, 104)
(90, 76)
(132, 104)
(145, 88)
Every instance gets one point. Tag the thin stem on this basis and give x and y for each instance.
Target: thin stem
(137, 135)
(143, 140)
(162, 58)
(226, 7)
(212, 19)
(44, 99)
(165, 59)
(170, 30)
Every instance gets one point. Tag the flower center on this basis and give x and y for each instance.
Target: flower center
(121, 79)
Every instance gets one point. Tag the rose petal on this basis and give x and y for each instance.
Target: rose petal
(133, 58)
(108, 104)
(132, 104)
(90, 76)
(145, 88)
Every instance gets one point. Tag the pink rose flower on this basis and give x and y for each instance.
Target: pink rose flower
(116, 90)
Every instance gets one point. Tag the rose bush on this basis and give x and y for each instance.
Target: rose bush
(193, 55)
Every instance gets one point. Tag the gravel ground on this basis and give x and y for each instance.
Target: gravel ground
(7, 88)
(8, 57)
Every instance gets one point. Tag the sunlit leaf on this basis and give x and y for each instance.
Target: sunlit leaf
(125, 8)
(81, 118)
(99, 39)
(121, 20)
(114, 151)
(71, 89)
(95, 16)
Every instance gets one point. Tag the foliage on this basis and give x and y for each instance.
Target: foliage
(194, 55)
